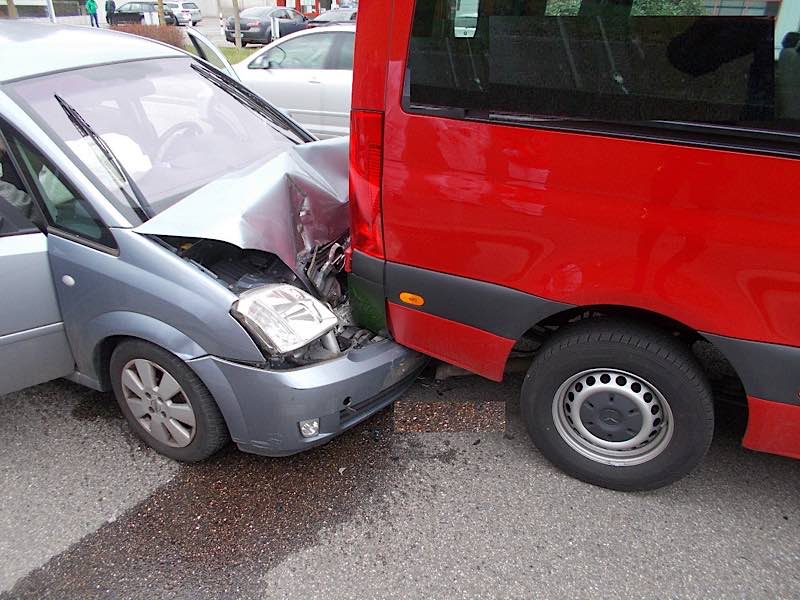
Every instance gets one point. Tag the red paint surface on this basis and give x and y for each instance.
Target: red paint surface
(371, 54)
(773, 427)
(706, 237)
(468, 347)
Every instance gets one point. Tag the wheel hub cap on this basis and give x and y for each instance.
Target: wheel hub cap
(612, 417)
(158, 403)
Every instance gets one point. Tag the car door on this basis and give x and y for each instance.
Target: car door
(337, 83)
(33, 342)
(294, 21)
(289, 73)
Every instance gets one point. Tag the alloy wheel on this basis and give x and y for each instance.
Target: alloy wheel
(158, 403)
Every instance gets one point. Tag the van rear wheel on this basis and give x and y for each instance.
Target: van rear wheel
(617, 405)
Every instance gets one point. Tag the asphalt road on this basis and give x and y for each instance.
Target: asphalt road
(88, 512)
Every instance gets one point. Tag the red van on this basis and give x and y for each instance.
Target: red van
(606, 181)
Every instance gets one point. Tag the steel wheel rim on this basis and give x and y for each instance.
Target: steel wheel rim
(158, 403)
(592, 412)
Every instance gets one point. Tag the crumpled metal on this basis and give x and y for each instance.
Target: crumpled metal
(286, 206)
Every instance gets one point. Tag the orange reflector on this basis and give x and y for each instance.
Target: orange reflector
(412, 299)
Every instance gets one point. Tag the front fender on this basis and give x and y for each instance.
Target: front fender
(136, 325)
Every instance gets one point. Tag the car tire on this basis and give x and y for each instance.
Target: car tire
(244, 44)
(173, 412)
(618, 405)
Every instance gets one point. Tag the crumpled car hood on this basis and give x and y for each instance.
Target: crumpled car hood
(287, 206)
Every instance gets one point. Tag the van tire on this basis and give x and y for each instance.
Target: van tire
(209, 432)
(641, 362)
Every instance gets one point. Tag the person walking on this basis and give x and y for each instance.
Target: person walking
(111, 6)
(91, 8)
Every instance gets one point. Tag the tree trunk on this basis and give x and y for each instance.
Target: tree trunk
(12, 10)
(161, 20)
(237, 33)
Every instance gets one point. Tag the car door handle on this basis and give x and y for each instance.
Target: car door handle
(314, 81)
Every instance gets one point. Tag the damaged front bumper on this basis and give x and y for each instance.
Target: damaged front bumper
(263, 408)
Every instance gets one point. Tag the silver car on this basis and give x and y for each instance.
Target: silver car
(166, 234)
(187, 13)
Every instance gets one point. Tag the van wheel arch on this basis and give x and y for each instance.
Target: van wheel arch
(712, 359)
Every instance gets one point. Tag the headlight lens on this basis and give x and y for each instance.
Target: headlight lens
(282, 317)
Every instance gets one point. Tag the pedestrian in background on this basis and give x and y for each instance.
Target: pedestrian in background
(111, 6)
(91, 8)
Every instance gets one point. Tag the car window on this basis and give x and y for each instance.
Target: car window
(190, 5)
(344, 51)
(16, 204)
(305, 52)
(629, 60)
(65, 209)
(11, 220)
(295, 16)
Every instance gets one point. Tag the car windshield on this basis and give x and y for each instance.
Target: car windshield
(172, 129)
(334, 15)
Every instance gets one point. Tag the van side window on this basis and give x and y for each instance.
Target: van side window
(65, 209)
(686, 61)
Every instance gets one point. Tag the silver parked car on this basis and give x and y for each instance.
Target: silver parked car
(187, 13)
(166, 234)
(309, 75)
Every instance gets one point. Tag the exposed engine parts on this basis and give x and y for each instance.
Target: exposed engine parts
(323, 269)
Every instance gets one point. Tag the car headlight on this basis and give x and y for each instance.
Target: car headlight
(282, 317)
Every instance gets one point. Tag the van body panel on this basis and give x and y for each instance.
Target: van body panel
(701, 231)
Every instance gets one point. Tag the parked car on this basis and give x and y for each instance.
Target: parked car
(188, 13)
(309, 75)
(256, 24)
(168, 235)
(336, 16)
(133, 12)
(609, 193)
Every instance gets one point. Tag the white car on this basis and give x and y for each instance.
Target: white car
(186, 12)
(308, 75)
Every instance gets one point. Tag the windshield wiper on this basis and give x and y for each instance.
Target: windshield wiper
(138, 203)
(254, 102)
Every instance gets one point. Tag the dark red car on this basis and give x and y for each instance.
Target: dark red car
(609, 187)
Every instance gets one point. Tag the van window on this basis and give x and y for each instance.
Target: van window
(689, 61)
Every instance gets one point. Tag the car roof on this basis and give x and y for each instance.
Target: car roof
(338, 11)
(31, 49)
